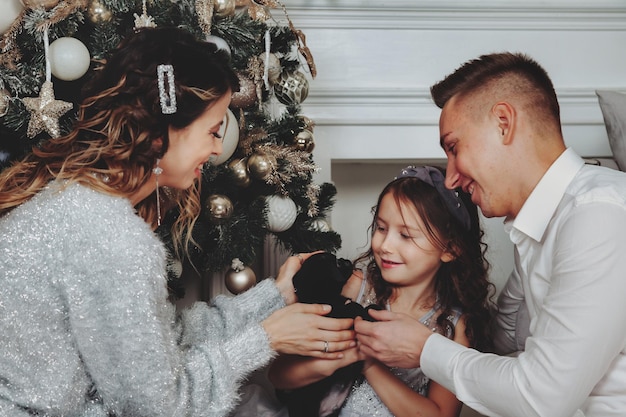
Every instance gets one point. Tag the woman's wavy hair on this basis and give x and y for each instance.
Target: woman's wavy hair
(460, 283)
(121, 131)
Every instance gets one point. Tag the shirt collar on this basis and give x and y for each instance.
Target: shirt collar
(533, 218)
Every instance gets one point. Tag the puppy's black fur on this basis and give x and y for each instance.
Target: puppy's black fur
(320, 281)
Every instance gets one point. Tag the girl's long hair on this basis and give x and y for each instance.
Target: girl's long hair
(112, 147)
(460, 283)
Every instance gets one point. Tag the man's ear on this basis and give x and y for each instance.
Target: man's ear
(505, 114)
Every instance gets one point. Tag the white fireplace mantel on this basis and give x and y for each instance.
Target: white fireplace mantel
(377, 59)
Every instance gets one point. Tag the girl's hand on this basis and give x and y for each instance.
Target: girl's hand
(285, 275)
(302, 329)
(368, 361)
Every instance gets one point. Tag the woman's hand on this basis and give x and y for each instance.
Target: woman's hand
(287, 270)
(302, 329)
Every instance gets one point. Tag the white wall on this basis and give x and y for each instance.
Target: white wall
(377, 59)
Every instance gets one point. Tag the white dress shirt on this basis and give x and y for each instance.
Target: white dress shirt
(570, 282)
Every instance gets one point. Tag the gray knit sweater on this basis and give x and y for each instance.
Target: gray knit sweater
(86, 328)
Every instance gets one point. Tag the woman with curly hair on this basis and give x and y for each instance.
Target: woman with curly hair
(426, 260)
(86, 327)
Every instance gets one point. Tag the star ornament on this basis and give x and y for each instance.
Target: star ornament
(45, 112)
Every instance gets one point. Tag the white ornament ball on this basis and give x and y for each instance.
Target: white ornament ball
(231, 138)
(9, 11)
(320, 225)
(219, 42)
(69, 58)
(281, 213)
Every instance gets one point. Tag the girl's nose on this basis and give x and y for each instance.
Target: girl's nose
(386, 245)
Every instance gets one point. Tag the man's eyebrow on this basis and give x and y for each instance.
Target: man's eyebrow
(443, 138)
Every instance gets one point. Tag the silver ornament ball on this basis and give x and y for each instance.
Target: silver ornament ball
(239, 277)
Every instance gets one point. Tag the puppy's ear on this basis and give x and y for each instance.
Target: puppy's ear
(345, 267)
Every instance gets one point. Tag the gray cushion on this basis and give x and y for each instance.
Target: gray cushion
(613, 106)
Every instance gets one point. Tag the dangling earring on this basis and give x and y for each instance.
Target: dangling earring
(157, 170)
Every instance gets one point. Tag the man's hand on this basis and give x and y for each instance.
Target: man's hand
(394, 339)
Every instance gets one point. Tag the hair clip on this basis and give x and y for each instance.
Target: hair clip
(167, 97)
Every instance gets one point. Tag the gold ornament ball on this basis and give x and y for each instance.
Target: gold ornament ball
(238, 281)
(239, 170)
(5, 99)
(273, 67)
(260, 165)
(98, 12)
(224, 8)
(291, 88)
(305, 141)
(219, 208)
(246, 96)
(308, 124)
(46, 4)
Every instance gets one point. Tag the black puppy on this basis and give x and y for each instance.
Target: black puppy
(320, 281)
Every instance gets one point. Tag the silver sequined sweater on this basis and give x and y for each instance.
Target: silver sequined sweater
(86, 328)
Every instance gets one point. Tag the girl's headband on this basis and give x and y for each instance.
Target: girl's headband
(435, 178)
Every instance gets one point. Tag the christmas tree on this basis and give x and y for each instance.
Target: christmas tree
(261, 185)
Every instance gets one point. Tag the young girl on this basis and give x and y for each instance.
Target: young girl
(425, 260)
